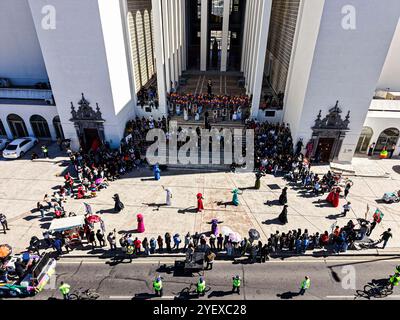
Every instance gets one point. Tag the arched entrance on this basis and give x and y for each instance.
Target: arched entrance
(364, 140)
(58, 128)
(3, 131)
(40, 127)
(387, 138)
(17, 126)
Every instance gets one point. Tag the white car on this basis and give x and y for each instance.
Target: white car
(19, 147)
(3, 143)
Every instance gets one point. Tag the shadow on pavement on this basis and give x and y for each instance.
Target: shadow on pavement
(287, 295)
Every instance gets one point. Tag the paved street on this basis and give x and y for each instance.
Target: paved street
(275, 279)
(25, 182)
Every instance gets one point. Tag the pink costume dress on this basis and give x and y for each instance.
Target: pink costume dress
(140, 225)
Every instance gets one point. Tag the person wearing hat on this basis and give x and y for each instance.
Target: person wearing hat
(236, 284)
(200, 206)
(201, 287)
(158, 286)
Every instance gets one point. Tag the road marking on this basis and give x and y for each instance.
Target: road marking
(120, 297)
(161, 260)
(352, 297)
(168, 297)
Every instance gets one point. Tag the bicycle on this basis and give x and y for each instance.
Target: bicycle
(89, 294)
(375, 290)
(190, 291)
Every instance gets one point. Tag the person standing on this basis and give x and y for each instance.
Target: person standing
(158, 287)
(371, 228)
(385, 237)
(160, 243)
(371, 149)
(283, 196)
(92, 239)
(200, 206)
(168, 196)
(346, 208)
(100, 238)
(45, 151)
(188, 237)
(347, 188)
(305, 285)
(391, 151)
(112, 241)
(4, 223)
(210, 260)
(59, 143)
(65, 288)
(283, 216)
(167, 238)
(220, 240)
(236, 284)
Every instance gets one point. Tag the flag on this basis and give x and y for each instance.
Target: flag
(378, 215)
(88, 208)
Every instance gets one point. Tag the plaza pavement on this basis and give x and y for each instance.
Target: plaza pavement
(24, 182)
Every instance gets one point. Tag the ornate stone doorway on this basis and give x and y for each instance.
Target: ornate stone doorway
(328, 135)
(89, 124)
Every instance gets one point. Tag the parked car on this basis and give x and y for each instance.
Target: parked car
(19, 147)
(3, 143)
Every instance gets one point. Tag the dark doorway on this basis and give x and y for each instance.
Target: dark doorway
(17, 126)
(324, 149)
(92, 138)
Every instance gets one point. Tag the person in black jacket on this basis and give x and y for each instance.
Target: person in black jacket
(283, 196)
(283, 216)
(118, 205)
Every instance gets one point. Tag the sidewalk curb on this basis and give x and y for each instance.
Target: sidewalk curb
(224, 257)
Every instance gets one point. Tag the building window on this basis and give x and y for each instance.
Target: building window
(40, 127)
(17, 126)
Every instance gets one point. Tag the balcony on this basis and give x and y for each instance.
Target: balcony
(26, 96)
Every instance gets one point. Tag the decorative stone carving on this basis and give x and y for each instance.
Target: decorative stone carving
(333, 120)
(85, 112)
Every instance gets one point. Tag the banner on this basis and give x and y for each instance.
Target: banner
(378, 216)
(88, 208)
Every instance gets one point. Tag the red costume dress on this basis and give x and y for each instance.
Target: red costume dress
(333, 196)
(200, 206)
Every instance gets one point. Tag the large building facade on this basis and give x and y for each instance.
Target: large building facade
(73, 69)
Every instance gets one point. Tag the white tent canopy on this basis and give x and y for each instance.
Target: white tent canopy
(67, 223)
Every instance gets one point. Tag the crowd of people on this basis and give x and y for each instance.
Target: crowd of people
(148, 96)
(217, 107)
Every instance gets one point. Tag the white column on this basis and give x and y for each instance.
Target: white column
(204, 35)
(257, 36)
(159, 54)
(176, 45)
(183, 35)
(245, 42)
(250, 44)
(255, 42)
(261, 45)
(225, 35)
(172, 35)
(164, 10)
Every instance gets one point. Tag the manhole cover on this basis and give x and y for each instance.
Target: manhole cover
(273, 186)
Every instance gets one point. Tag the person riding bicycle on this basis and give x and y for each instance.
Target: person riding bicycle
(236, 284)
(201, 287)
(394, 280)
(158, 286)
